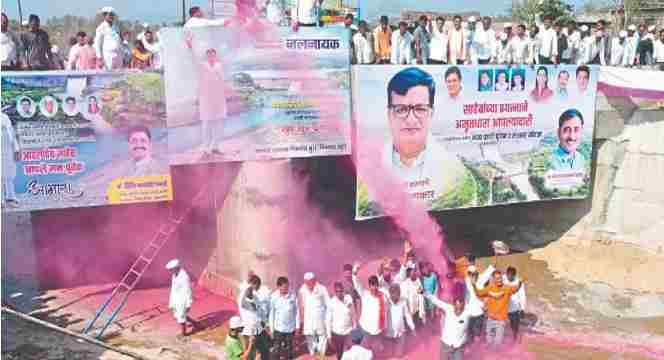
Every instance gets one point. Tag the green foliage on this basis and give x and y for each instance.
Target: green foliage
(529, 11)
(482, 184)
(465, 195)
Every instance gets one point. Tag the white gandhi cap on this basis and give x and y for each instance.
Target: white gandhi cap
(622, 33)
(309, 276)
(235, 322)
(172, 264)
(584, 28)
(631, 27)
(107, 9)
(472, 19)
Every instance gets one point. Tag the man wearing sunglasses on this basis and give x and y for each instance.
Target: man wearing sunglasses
(413, 155)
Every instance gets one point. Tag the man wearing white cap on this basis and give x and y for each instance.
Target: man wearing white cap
(470, 38)
(108, 42)
(181, 297)
(631, 43)
(233, 346)
(314, 301)
(618, 49)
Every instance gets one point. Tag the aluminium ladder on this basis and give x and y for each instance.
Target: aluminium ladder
(138, 268)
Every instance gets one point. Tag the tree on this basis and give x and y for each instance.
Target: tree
(532, 11)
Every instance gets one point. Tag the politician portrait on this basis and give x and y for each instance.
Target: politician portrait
(141, 161)
(570, 133)
(412, 153)
(25, 107)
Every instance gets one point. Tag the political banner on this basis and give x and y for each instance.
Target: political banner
(236, 95)
(473, 136)
(76, 139)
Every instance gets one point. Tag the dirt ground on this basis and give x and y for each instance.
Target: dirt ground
(565, 319)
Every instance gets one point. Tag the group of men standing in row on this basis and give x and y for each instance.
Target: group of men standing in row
(109, 49)
(379, 319)
(439, 42)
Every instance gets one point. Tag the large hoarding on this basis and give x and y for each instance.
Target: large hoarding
(83, 139)
(234, 95)
(471, 136)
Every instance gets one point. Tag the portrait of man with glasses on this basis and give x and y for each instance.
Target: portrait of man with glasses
(430, 171)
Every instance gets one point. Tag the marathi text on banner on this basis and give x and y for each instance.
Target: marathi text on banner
(234, 97)
(459, 137)
(67, 137)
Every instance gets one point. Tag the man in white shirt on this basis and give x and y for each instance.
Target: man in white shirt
(314, 299)
(196, 19)
(108, 42)
(548, 41)
(284, 319)
(618, 49)
(9, 42)
(243, 286)
(254, 311)
(340, 320)
(458, 46)
(357, 352)
(485, 42)
(502, 52)
(517, 303)
(363, 45)
(473, 304)
(470, 36)
(401, 45)
(305, 12)
(411, 291)
(631, 43)
(439, 46)
(573, 43)
(658, 52)
(454, 327)
(181, 297)
(398, 316)
(518, 47)
(391, 273)
(374, 310)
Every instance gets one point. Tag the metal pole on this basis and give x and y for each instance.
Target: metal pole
(184, 12)
(20, 15)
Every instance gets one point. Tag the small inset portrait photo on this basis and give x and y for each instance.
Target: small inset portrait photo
(518, 79)
(25, 107)
(502, 80)
(48, 106)
(485, 80)
(70, 106)
(94, 105)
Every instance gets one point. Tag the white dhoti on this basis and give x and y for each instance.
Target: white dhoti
(316, 343)
(180, 314)
(112, 60)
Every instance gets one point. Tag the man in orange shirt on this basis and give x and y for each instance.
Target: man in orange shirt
(382, 41)
(497, 297)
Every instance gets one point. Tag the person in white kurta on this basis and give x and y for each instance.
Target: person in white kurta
(411, 291)
(517, 304)
(314, 299)
(402, 42)
(618, 49)
(211, 97)
(181, 297)
(108, 41)
(340, 319)
(363, 45)
(631, 43)
(10, 154)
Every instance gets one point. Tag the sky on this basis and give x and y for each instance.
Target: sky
(170, 10)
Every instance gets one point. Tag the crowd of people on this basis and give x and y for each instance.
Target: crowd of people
(108, 48)
(476, 41)
(429, 41)
(398, 307)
